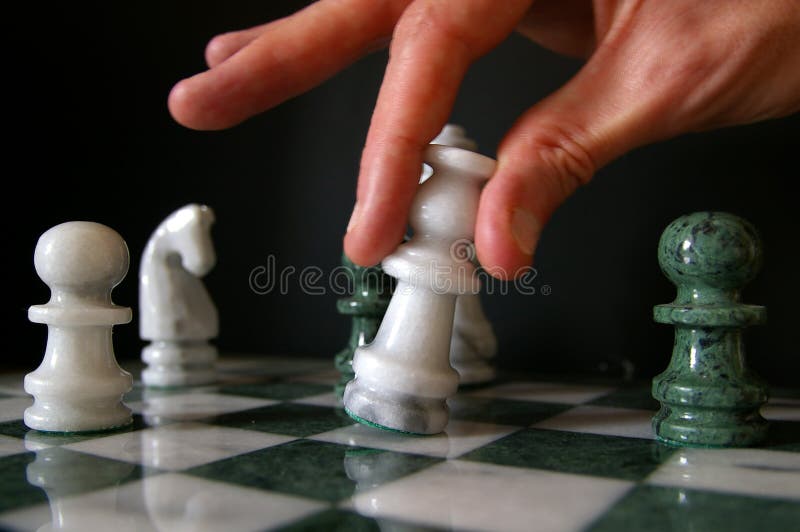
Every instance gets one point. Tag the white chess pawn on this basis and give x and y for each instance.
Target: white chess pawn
(176, 311)
(403, 378)
(473, 344)
(79, 386)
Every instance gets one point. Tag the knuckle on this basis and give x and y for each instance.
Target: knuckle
(569, 164)
(433, 20)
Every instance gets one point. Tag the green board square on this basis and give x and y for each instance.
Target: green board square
(572, 452)
(307, 468)
(14, 428)
(638, 397)
(284, 391)
(335, 520)
(502, 411)
(655, 509)
(287, 418)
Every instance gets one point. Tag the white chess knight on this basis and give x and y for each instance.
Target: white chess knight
(176, 312)
(403, 378)
(79, 386)
(474, 343)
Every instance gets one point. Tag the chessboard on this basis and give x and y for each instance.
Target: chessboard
(269, 447)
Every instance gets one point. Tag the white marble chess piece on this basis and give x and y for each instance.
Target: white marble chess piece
(176, 312)
(79, 386)
(474, 343)
(403, 378)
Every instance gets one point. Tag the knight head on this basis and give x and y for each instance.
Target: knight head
(189, 230)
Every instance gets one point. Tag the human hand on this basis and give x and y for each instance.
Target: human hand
(654, 70)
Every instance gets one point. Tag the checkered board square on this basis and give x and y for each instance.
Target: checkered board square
(269, 448)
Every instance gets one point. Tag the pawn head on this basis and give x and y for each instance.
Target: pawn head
(81, 255)
(710, 249)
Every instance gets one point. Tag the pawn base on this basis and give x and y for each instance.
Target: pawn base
(706, 427)
(63, 416)
(395, 411)
(174, 364)
(712, 409)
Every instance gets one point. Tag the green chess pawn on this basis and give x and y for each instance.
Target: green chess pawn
(708, 396)
(367, 305)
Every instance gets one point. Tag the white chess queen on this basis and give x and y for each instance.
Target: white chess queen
(403, 378)
(176, 311)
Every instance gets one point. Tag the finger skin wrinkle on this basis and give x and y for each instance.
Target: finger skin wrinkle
(380, 188)
(555, 147)
(475, 26)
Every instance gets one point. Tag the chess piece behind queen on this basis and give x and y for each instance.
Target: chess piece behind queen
(176, 311)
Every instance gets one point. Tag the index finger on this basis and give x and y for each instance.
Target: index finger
(288, 57)
(433, 45)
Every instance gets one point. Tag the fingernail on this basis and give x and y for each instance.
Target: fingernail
(525, 229)
(353, 217)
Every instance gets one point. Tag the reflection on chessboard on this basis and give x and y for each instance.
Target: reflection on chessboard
(269, 448)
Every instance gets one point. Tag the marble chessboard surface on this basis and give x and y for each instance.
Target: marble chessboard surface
(269, 448)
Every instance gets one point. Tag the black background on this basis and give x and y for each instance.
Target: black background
(91, 139)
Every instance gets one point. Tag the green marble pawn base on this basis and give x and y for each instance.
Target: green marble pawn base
(708, 396)
(381, 427)
(366, 306)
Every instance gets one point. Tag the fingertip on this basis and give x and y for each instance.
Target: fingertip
(193, 103)
(506, 233)
(363, 250)
(219, 49)
(180, 103)
(372, 234)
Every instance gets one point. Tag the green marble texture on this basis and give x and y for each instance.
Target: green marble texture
(635, 395)
(502, 411)
(708, 395)
(346, 521)
(655, 509)
(579, 453)
(380, 427)
(293, 419)
(303, 467)
(366, 307)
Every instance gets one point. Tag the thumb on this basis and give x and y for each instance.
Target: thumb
(555, 147)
